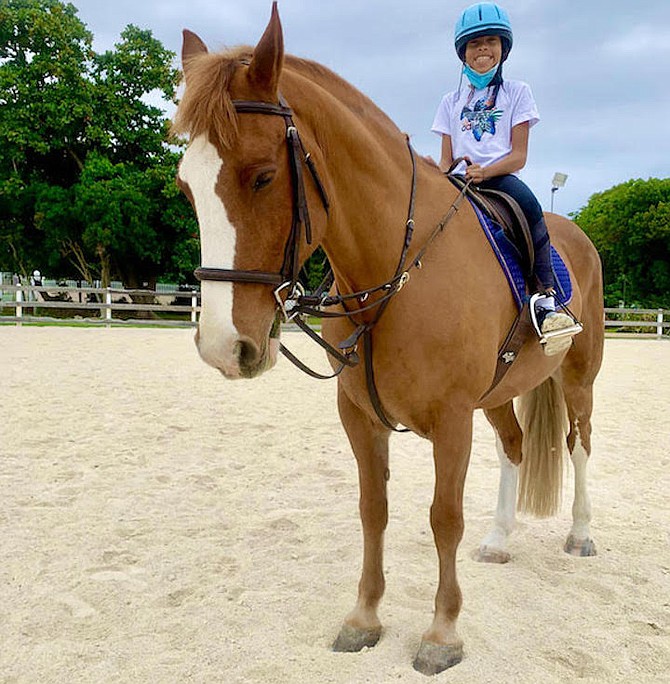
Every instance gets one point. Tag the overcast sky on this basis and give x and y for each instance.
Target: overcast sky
(599, 69)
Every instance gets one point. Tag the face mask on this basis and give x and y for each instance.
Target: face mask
(478, 80)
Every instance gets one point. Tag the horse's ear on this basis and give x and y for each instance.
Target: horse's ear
(266, 63)
(191, 47)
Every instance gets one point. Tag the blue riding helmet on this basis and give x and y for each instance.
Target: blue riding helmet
(483, 19)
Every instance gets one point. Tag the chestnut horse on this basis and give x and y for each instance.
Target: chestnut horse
(436, 345)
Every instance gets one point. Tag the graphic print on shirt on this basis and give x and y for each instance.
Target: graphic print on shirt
(481, 119)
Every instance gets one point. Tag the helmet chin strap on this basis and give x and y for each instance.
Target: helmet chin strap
(497, 78)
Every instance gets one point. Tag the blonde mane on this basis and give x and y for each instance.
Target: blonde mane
(206, 106)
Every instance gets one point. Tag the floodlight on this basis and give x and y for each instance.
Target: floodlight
(559, 180)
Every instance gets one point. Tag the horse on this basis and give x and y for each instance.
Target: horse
(285, 156)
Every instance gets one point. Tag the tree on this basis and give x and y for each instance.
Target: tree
(127, 195)
(89, 191)
(630, 226)
(130, 129)
(44, 50)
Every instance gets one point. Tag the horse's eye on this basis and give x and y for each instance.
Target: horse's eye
(263, 179)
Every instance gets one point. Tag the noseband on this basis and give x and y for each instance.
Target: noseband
(287, 277)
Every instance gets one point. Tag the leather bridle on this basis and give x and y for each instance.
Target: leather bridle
(287, 277)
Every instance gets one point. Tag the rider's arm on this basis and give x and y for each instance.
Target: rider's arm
(513, 162)
(447, 156)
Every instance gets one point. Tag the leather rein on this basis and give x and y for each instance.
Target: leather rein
(297, 303)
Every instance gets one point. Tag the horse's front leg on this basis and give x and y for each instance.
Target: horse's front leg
(441, 646)
(369, 442)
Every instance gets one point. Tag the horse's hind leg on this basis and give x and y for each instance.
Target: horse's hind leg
(369, 442)
(579, 400)
(493, 548)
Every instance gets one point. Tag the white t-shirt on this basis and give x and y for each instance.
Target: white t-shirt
(478, 131)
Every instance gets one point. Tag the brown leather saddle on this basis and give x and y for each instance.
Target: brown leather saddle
(505, 211)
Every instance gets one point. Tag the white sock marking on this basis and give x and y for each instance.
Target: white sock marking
(505, 518)
(581, 507)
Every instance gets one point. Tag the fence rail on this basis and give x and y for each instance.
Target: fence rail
(622, 322)
(79, 305)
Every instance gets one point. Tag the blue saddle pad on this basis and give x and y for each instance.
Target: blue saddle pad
(510, 261)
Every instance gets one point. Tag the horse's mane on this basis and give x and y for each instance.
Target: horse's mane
(207, 107)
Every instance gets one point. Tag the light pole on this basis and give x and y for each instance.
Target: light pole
(557, 182)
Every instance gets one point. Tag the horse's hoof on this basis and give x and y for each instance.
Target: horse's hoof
(488, 554)
(352, 640)
(435, 658)
(580, 547)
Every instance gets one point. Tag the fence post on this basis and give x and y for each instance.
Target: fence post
(194, 306)
(19, 309)
(108, 310)
(659, 323)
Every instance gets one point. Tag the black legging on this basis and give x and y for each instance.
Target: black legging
(538, 228)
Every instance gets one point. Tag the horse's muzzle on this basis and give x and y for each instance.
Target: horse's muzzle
(238, 357)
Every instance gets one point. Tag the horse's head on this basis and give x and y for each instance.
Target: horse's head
(237, 174)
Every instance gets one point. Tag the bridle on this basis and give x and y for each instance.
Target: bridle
(297, 304)
(288, 276)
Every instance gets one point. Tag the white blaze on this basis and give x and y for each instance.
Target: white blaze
(199, 169)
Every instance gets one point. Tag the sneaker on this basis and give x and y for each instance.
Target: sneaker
(551, 321)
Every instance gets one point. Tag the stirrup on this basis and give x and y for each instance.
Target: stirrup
(569, 331)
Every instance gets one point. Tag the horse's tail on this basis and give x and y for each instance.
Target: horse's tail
(543, 417)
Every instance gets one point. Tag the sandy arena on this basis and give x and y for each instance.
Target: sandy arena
(162, 525)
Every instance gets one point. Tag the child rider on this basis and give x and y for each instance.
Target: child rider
(488, 123)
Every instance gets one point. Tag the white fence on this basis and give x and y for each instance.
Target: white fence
(637, 322)
(98, 306)
(116, 306)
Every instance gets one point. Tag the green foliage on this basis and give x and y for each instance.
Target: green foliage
(315, 270)
(44, 50)
(42, 45)
(630, 226)
(132, 130)
(86, 174)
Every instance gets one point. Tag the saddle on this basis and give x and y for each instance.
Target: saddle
(504, 211)
(509, 222)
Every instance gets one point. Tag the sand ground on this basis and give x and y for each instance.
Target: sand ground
(160, 524)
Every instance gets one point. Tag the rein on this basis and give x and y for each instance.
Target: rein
(298, 304)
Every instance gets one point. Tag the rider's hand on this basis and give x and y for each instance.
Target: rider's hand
(475, 173)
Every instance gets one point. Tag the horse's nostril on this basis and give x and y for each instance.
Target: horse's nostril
(247, 353)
